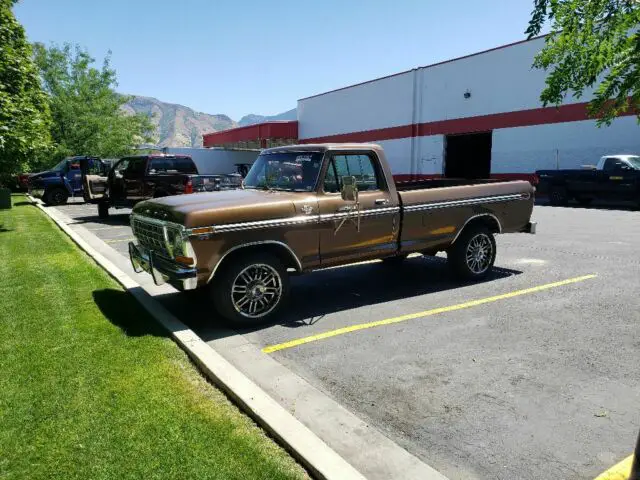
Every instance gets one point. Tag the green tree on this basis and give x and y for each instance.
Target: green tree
(24, 110)
(592, 44)
(86, 109)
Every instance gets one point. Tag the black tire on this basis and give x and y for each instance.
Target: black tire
(558, 196)
(233, 307)
(103, 210)
(464, 263)
(56, 196)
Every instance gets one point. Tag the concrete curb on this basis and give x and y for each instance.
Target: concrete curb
(314, 454)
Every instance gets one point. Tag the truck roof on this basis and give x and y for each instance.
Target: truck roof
(323, 147)
(625, 156)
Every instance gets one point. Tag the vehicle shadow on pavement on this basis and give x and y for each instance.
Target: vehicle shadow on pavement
(331, 291)
(124, 311)
(114, 219)
(350, 287)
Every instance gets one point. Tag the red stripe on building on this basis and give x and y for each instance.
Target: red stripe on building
(259, 131)
(523, 118)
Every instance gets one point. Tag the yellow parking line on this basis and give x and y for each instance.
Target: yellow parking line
(620, 471)
(129, 239)
(426, 313)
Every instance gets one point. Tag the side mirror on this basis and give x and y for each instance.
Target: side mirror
(349, 190)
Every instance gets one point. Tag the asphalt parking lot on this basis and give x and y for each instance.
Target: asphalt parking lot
(532, 374)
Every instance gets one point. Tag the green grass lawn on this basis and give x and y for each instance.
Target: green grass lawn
(92, 388)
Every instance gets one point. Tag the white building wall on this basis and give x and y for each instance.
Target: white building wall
(398, 154)
(526, 149)
(387, 102)
(215, 161)
(499, 81)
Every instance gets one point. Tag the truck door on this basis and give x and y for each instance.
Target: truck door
(350, 231)
(74, 176)
(94, 179)
(134, 179)
(115, 183)
(620, 180)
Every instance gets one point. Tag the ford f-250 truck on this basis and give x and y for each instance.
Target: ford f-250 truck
(615, 177)
(307, 207)
(141, 177)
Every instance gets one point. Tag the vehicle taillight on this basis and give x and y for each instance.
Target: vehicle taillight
(188, 186)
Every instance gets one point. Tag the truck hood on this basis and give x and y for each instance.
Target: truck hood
(224, 207)
(45, 174)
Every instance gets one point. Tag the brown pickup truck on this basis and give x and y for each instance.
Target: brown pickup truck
(307, 207)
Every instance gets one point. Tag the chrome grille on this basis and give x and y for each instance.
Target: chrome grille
(150, 235)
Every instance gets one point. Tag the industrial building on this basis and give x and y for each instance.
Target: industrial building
(474, 116)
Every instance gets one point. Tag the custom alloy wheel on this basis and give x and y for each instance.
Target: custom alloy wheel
(250, 289)
(256, 290)
(479, 253)
(472, 255)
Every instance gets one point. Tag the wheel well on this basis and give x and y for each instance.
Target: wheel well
(488, 220)
(278, 250)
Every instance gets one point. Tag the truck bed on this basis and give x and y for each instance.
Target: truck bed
(405, 186)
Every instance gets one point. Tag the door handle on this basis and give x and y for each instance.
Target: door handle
(381, 201)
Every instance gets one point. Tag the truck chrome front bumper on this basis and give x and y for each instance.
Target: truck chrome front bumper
(162, 269)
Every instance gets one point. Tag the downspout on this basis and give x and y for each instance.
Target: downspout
(414, 126)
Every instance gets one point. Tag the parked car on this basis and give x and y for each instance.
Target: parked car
(307, 207)
(615, 177)
(56, 185)
(141, 177)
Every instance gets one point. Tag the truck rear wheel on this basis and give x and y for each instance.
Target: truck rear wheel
(103, 210)
(251, 290)
(56, 196)
(558, 196)
(473, 254)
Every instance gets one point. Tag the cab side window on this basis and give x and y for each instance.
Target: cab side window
(136, 166)
(360, 166)
(614, 165)
(122, 166)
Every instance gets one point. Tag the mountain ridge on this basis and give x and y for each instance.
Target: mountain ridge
(180, 126)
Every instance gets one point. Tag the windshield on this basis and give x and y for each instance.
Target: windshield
(291, 171)
(60, 167)
(634, 162)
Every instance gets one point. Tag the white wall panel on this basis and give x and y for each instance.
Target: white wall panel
(383, 103)
(429, 154)
(398, 154)
(526, 149)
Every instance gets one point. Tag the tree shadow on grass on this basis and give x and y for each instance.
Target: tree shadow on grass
(124, 311)
(2, 229)
(22, 204)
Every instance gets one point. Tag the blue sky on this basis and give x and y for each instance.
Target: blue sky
(247, 56)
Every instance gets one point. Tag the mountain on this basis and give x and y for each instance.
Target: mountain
(180, 126)
(253, 118)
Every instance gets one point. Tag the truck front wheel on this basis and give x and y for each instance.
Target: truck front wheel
(251, 290)
(56, 196)
(473, 254)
